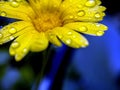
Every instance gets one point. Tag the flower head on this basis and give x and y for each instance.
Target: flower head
(39, 22)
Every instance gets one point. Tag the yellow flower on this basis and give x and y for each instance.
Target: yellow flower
(39, 22)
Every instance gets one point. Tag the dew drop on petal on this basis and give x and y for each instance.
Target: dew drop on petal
(1, 35)
(14, 4)
(83, 29)
(69, 33)
(11, 37)
(3, 13)
(99, 33)
(18, 57)
(90, 3)
(84, 44)
(81, 13)
(15, 44)
(98, 25)
(12, 30)
(68, 41)
(25, 50)
(97, 15)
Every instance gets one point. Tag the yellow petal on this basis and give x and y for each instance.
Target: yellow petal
(29, 41)
(53, 38)
(39, 42)
(70, 37)
(18, 10)
(21, 46)
(90, 28)
(13, 30)
(78, 10)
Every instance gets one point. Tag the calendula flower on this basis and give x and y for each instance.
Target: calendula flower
(39, 22)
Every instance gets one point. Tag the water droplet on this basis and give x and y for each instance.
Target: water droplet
(68, 41)
(90, 3)
(15, 44)
(1, 35)
(3, 13)
(97, 15)
(69, 33)
(11, 37)
(18, 57)
(99, 33)
(12, 30)
(84, 44)
(98, 25)
(14, 4)
(25, 50)
(83, 29)
(81, 13)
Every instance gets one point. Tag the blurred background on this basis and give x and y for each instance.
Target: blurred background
(96, 67)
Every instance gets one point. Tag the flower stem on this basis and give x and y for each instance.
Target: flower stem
(46, 55)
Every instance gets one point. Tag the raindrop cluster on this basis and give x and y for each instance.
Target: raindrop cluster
(13, 3)
(82, 10)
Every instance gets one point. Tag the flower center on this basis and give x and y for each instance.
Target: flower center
(47, 21)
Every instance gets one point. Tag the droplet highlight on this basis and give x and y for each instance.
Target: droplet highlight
(18, 57)
(11, 37)
(14, 4)
(99, 33)
(15, 44)
(90, 3)
(84, 44)
(1, 35)
(68, 41)
(3, 13)
(81, 13)
(83, 29)
(12, 30)
(97, 15)
(69, 33)
(25, 50)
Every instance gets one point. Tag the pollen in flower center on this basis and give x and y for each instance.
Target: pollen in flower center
(47, 21)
